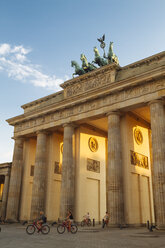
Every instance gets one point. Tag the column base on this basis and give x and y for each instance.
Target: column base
(117, 225)
(11, 221)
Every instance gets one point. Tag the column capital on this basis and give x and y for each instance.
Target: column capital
(159, 100)
(18, 138)
(119, 113)
(42, 132)
(69, 124)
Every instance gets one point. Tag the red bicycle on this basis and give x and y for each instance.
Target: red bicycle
(87, 222)
(31, 228)
(61, 227)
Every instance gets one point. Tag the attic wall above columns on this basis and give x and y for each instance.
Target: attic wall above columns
(109, 88)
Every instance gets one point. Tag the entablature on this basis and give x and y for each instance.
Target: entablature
(98, 91)
(129, 98)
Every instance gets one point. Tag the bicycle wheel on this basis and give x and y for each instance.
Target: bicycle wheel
(45, 229)
(30, 229)
(74, 228)
(82, 223)
(60, 229)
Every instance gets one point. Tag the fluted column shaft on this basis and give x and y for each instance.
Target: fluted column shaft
(115, 182)
(158, 149)
(38, 190)
(5, 196)
(68, 173)
(15, 182)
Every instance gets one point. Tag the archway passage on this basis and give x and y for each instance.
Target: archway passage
(136, 167)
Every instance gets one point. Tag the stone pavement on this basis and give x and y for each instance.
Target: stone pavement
(14, 236)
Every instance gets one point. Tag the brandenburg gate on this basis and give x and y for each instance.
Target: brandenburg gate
(97, 145)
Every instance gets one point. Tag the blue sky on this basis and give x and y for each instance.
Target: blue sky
(39, 38)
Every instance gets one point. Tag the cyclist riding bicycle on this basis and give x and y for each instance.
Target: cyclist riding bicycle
(69, 219)
(106, 219)
(86, 218)
(42, 219)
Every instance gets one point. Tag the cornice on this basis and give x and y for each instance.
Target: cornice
(5, 165)
(147, 60)
(159, 100)
(40, 100)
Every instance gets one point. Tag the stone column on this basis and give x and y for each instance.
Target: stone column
(115, 177)
(5, 196)
(39, 179)
(158, 150)
(15, 182)
(68, 172)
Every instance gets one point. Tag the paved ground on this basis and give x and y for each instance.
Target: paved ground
(14, 236)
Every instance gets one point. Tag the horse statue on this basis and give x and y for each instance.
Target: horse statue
(98, 60)
(85, 65)
(111, 56)
(78, 70)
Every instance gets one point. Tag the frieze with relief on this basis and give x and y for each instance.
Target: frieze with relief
(138, 159)
(90, 84)
(93, 165)
(113, 98)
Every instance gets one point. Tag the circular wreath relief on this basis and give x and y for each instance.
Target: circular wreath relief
(138, 136)
(93, 144)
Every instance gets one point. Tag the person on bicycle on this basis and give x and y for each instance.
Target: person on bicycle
(69, 219)
(86, 218)
(106, 219)
(41, 219)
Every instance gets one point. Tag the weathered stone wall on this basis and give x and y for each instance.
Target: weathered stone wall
(137, 179)
(90, 179)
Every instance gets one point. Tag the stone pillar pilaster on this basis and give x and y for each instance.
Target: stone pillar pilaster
(68, 172)
(158, 150)
(115, 177)
(39, 179)
(15, 182)
(5, 196)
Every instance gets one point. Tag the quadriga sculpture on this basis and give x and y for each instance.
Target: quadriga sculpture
(78, 70)
(85, 65)
(111, 56)
(98, 59)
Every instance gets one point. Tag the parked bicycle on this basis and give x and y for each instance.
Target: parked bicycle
(62, 227)
(31, 228)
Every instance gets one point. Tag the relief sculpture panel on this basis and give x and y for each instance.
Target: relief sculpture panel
(90, 83)
(93, 165)
(57, 168)
(140, 160)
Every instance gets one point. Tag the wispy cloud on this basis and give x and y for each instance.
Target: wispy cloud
(14, 62)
